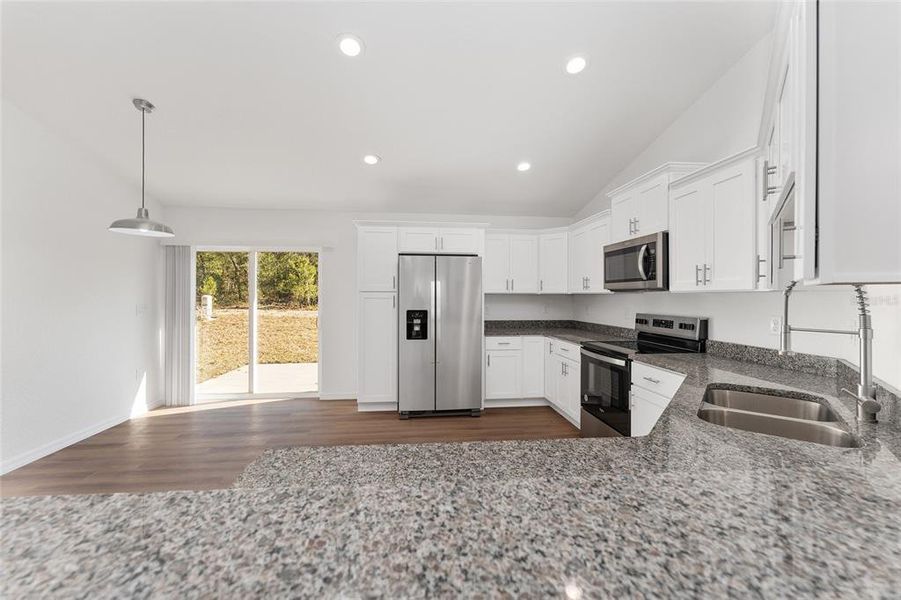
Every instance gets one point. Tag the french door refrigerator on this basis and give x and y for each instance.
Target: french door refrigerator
(439, 334)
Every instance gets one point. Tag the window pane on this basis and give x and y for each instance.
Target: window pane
(287, 322)
(222, 323)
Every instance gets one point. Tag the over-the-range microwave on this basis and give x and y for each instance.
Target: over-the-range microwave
(638, 264)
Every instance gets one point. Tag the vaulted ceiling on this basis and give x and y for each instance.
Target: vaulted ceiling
(256, 106)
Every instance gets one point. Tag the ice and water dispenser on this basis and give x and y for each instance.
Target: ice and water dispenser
(417, 324)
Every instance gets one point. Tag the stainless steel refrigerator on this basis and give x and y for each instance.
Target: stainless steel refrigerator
(439, 334)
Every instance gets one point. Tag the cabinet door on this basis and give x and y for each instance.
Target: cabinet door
(496, 264)
(646, 409)
(687, 244)
(598, 237)
(580, 247)
(573, 384)
(623, 211)
(459, 241)
(418, 239)
(503, 374)
(532, 367)
(377, 259)
(377, 358)
(552, 263)
(550, 375)
(653, 206)
(731, 256)
(524, 263)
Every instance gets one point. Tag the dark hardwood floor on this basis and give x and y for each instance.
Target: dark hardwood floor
(206, 447)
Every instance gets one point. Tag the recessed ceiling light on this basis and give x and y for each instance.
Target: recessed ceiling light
(371, 159)
(576, 64)
(523, 166)
(350, 45)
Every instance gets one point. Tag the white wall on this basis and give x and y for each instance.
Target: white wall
(335, 234)
(744, 318)
(77, 355)
(724, 120)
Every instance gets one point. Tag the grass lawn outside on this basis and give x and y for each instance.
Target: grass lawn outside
(283, 336)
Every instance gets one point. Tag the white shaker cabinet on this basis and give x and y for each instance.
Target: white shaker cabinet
(586, 254)
(446, 240)
(377, 259)
(713, 239)
(532, 367)
(377, 347)
(552, 263)
(511, 263)
(503, 374)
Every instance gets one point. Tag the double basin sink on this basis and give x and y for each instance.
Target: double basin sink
(766, 411)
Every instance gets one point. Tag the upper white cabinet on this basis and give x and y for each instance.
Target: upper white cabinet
(377, 259)
(712, 227)
(586, 256)
(552, 263)
(439, 240)
(640, 206)
(511, 263)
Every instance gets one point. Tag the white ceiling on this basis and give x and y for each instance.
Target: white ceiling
(257, 108)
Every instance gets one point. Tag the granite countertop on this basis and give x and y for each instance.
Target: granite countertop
(693, 509)
(568, 331)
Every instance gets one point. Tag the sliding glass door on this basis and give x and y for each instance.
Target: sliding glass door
(257, 323)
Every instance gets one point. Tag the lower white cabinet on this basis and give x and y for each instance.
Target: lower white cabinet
(503, 374)
(532, 367)
(377, 354)
(550, 381)
(567, 375)
(652, 390)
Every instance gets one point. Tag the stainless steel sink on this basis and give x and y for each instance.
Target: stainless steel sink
(772, 414)
(757, 402)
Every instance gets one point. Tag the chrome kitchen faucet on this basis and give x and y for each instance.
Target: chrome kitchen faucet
(867, 407)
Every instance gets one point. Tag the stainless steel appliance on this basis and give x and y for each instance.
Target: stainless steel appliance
(606, 369)
(439, 334)
(638, 264)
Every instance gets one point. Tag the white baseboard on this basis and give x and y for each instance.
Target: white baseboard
(22, 459)
(515, 402)
(376, 406)
(338, 396)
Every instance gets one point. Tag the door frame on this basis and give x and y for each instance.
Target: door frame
(252, 251)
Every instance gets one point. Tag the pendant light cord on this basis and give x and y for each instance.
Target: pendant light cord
(143, 114)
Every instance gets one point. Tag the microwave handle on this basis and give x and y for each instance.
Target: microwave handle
(605, 359)
(641, 254)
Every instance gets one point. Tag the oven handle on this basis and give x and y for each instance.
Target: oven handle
(602, 358)
(641, 253)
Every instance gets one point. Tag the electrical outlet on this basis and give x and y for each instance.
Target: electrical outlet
(776, 325)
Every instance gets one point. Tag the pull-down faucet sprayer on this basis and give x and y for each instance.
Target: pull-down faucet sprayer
(867, 407)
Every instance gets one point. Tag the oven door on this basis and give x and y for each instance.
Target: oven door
(637, 264)
(606, 382)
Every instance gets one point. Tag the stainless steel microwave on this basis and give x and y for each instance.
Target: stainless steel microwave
(638, 264)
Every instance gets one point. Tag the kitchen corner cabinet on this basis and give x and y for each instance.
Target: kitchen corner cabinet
(511, 263)
(640, 206)
(377, 347)
(446, 240)
(713, 239)
(586, 256)
(552, 263)
(377, 259)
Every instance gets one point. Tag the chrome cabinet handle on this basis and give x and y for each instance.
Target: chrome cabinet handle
(442, 242)
(489, 360)
(561, 369)
(393, 301)
(503, 343)
(760, 261)
(512, 285)
(706, 272)
(541, 285)
(636, 225)
(651, 379)
(697, 275)
(436, 243)
(394, 282)
(507, 284)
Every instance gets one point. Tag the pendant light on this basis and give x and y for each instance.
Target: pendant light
(141, 224)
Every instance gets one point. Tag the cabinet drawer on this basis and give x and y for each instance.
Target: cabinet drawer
(567, 350)
(506, 342)
(653, 379)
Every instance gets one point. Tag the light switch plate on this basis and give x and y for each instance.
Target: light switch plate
(775, 325)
